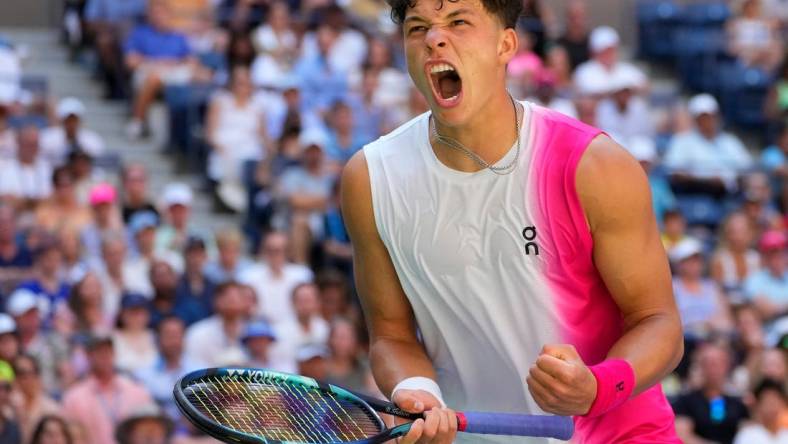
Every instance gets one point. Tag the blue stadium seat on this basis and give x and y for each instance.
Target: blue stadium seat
(712, 14)
(743, 93)
(657, 20)
(186, 105)
(698, 57)
(699, 209)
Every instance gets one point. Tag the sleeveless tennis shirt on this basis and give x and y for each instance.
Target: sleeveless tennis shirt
(497, 266)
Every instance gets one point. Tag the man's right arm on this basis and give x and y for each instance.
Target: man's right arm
(395, 351)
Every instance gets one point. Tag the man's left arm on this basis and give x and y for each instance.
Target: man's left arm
(614, 192)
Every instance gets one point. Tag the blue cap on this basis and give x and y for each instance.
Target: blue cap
(258, 329)
(143, 220)
(134, 300)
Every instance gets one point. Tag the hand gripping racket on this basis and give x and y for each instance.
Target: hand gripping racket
(258, 406)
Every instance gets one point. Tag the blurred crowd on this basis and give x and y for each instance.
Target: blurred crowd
(109, 291)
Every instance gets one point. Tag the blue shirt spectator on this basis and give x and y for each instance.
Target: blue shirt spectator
(157, 44)
(768, 287)
(321, 85)
(773, 157)
(114, 11)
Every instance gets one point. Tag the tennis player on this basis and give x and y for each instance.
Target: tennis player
(507, 256)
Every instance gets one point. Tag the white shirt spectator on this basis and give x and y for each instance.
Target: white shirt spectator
(633, 122)
(723, 157)
(33, 181)
(207, 342)
(594, 78)
(10, 75)
(347, 54)
(266, 40)
(55, 148)
(758, 434)
(274, 294)
(291, 337)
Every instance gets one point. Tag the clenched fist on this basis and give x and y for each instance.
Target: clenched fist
(560, 382)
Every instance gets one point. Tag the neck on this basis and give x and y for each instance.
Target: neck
(172, 360)
(490, 134)
(104, 379)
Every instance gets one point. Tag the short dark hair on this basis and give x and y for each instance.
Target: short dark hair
(769, 385)
(507, 11)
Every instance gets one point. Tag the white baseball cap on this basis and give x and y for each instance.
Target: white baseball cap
(23, 300)
(177, 194)
(602, 38)
(70, 106)
(312, 137)
(7, 324)
(702, 104)
(685, 249)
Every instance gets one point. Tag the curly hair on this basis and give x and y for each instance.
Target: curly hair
(507, 11)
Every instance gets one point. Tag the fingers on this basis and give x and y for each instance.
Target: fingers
(415, 401)
(439, 426)
(564, 352)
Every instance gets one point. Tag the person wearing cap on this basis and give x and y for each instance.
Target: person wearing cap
(767, 288)
(258, 340)
(135, 345)
(135, 192)
(705, 159)
(105, 397)
(69, 135)
(63, 208)
(546, 94)
(703, 309)
(106, 219)
(172, 234)
(9, 427)
(48, 348)
(27, 178)
(49, 281)
(9, 344)
(624, 114)
(306, 190)
(598, 76)
(194, 294)
(236, 132)
(148, 424)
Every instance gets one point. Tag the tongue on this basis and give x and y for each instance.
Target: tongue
(449, 86)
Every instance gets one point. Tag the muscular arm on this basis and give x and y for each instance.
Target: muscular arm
(615, 195)
(395, 351)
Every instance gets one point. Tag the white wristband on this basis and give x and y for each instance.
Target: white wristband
(420, 383)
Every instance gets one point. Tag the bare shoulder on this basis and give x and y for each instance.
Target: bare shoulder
(356, 196)
(611, 184)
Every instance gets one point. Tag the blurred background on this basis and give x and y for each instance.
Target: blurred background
(168, 193)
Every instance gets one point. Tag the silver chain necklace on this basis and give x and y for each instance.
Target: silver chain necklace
(453, 143)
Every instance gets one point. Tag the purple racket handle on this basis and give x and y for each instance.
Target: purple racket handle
(543, 426)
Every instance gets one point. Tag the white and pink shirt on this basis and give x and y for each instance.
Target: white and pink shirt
(497, 266)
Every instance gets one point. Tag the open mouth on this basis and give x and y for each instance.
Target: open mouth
(446, 83)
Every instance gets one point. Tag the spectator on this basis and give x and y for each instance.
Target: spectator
(9, 428)
(157, 55)
(106, 219)
(9, 345)
(754, 38)
(307, 327)
(15, 259)
(86, 176)
(735, 259)
(767, 288)
(27, 178)
(236, 132)
(313, 361)
(48, 281)
(114, 272)
(598, 76)
(11, 75)
(334, 297)
(575, 36)
(110, 22)
(135, 192)
(343, 139)
(216, 341)
(229, 263)
(258, 340)
(164, 282)
(557, 61)
(367, 102)
(346, 365)
(172, 235)
(276, 45)
(49, 350)
(135, 345)
(105, 397)
(625, 115)
(169, 366)
(71, 247)
(703, 310)
(306, 190)
(708, 412)
(320, 81)
(757, 205)
(240, 50)
(770, 403)
(52, 429)
(30, 399)
(274, 279)
(336, 244)
(58, 141)
(185, 16)
(63, 208)
(773, 158)
(195, 291)
(87, 307)
(546, 94)
(706, 159)
(146, 425)
(390, 88)
(143, 230)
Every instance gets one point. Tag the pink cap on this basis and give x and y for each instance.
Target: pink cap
(773, 240)
(101, 194)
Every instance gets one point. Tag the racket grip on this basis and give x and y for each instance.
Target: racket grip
(543, 426)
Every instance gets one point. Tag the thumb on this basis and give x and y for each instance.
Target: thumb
(564, 352)
(414, 401)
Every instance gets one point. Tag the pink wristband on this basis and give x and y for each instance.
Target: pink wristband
(615, 380)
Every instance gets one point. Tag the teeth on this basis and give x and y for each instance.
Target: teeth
(453, 97)
(441, 67)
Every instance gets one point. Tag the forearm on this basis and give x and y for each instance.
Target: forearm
(653, 346)
(393, 360)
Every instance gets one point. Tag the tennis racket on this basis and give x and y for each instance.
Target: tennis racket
(258, 406)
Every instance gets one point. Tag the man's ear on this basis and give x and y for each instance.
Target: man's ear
(508, 45)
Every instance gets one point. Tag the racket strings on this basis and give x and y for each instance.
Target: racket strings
(274, 409)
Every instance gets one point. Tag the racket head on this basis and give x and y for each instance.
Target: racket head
(259, 406)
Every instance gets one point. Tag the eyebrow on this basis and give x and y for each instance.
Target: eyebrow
(451, 15)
